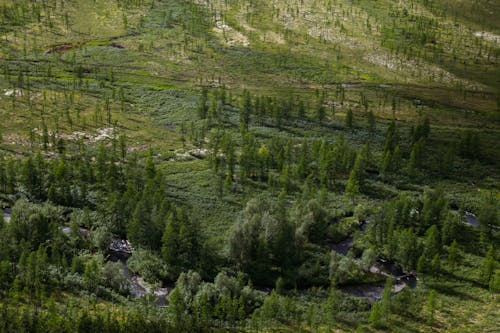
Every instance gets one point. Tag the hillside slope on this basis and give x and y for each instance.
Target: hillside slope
(316, 148)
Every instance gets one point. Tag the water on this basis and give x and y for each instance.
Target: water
(83, 232)
(6, 215)
(471, 219)
(342, 247)
(138, 288)
(374, 291)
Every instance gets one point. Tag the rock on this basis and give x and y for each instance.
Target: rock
(13, 92)
(83, 232)
(117, 46)
(59, 48)
(120, 245)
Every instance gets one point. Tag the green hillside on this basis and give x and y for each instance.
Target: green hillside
(209, 165)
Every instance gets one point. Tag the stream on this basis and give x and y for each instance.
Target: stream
(373, 291)
(471, 219)
(120, 251)
(342, 247)
(6, 215)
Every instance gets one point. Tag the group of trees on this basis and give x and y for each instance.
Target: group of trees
(67, 179)
(422, 233)
(287, 161)
(284, 242)
(263, 241)
(397, 229)
(69, 201)
(272, 111)
(280, 161)
(73, 317)
(109, 197)
(108, 192)
(417, 234)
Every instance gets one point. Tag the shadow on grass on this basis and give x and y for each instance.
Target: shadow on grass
(351, 323)
(447, 288)
(452, 276)
(401, 326)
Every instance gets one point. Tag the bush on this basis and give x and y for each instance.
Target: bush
(147, 264)
(114, 277)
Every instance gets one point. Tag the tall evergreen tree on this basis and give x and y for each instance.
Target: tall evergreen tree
(245, 111)
(453, 255)
(32, 179)
(202, 108)
(489, 215)
(352, 188)
(371, 121)
(488, 266)
(391, 137)
(181, 245)
(349, 118)
(432, 242)
(139, 228)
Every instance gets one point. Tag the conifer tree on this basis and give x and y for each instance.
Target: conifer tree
(301, 110)
(29, 176)
(320, 112)
(181, 246)
(422, 264)
(453, 255)
(139, 228)
(149, 167)
(170, 241)
(371, 121)
(263, 157)
(391, 137)
(178, 310)
(349, 118)
(385, 302)
(202, 108)
(352, 188)
(489, 215)
(430, 307)
(436, 264)
(375, 317)
(488, 266)
(245, 111)
(101, 165)
(432, 242)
